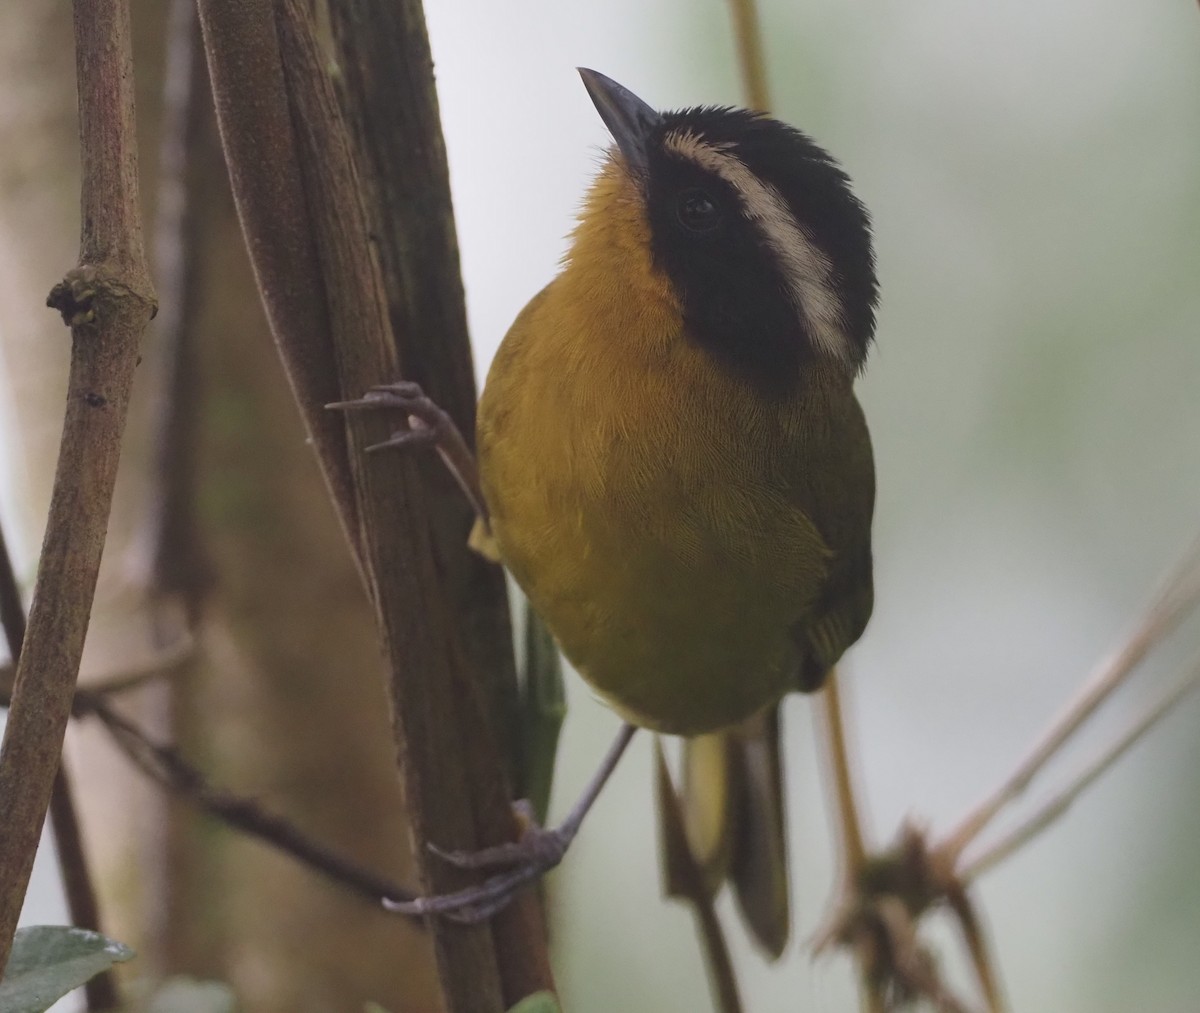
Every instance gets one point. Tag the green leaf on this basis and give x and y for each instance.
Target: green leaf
(48, 961)
(539, 1002)
(187, 995)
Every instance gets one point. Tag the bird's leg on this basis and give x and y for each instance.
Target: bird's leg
(428, 425)
(517, 864)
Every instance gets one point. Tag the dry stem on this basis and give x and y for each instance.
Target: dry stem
(298, 199)
(1178, 597)
(108, 300)
(973, 866)
(101, 991)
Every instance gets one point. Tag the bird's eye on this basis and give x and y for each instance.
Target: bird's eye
(696, 210)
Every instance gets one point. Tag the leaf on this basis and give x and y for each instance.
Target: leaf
(187, 995)
(48, 961)
(539, 1002)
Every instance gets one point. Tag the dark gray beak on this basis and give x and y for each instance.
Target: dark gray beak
(627, 117)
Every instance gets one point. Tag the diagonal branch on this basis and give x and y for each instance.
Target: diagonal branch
(974, 866)
(1178, 596)
(167, 768)
(108, 300)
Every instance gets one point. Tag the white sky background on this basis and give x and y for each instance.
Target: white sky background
(1034, 174)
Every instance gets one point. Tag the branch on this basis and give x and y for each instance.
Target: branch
(297, 196)
(108, 300)
(685, 881)
(391, 108)
(170, 559)
(974, 866)
(101, 990)
(167, 768)
(1178, 596)
(748, 35)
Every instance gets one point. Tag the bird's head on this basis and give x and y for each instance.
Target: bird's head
(756, 230)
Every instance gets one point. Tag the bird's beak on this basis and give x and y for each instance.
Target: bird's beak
(627, 117)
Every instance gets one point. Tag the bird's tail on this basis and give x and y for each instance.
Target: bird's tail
(734, 822)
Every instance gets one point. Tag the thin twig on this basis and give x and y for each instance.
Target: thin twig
(975, 938)
(854, 852)
(1180, 594)
(170, 557)
(157, 666)
(100, 991)
(974, 866)
(167, 768)
(686, 881)
(750, 53)
(12, 608)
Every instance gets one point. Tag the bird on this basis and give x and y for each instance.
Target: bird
(672, 462)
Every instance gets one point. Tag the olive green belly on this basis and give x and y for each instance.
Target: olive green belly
(673, 630)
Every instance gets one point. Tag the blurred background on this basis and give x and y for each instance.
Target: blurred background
(1034, 176)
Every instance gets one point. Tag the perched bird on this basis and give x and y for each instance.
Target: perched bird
(674, 465)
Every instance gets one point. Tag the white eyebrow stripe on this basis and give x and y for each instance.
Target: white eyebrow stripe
(807, 271)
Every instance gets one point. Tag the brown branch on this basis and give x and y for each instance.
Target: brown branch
(101, 990)
(166, 767)
(974, 865)
(748, 36)
(975, 939)
(837, 756)
(1177, 598)
(390, 101)
(256, 132)
(108, 300)
(297, 197)
(170, 558)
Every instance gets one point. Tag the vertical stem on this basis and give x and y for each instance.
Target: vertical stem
(837, 757)
(108, 300)
(390, 103)
(101, 991)
(748, 36)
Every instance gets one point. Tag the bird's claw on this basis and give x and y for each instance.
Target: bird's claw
(428, 422)
(516, 865)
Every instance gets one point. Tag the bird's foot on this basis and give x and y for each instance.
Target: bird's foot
(514, 866)
(428, 423)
